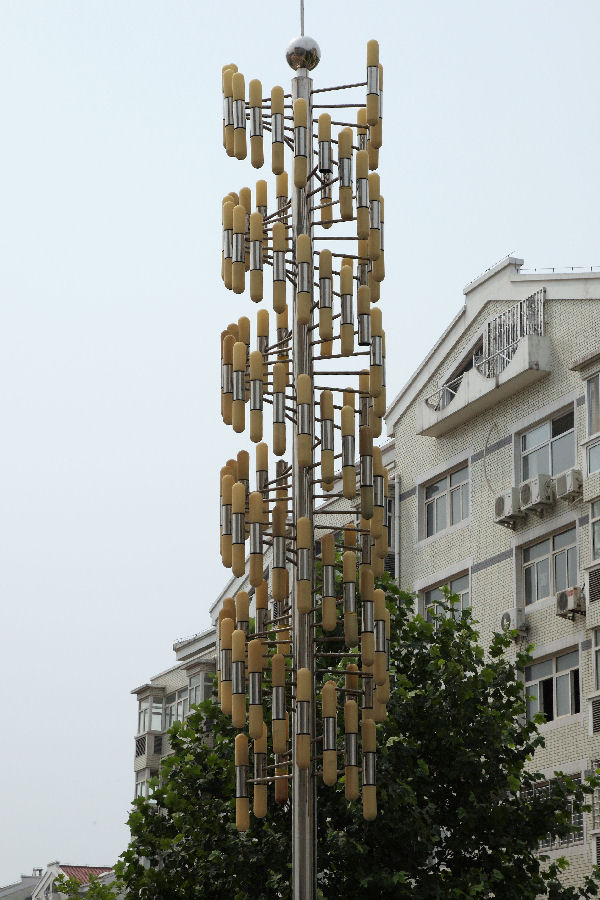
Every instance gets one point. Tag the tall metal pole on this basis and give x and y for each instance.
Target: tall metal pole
(303, 783)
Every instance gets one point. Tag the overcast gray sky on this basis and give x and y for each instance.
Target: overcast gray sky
(111, 176)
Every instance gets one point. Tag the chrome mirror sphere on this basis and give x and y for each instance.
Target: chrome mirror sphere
(303, 53)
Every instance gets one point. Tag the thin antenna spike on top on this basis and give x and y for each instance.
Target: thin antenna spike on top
(302, 18)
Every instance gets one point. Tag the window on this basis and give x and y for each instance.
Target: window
(575, 836)
(597, 660)
(388, 520)
(550, 566)
(459, 586)
(593, 458)
(549, 448)
(595, 527)
(593, 405)
(170, 704)
(182, 704)
(141, 785)
(447, 501)
(552, 687)
(150, 715)
(200, 687)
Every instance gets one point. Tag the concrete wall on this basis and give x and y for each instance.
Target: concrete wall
(491, 553)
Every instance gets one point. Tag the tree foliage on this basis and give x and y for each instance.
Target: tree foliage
(95, 889)
(458, 814)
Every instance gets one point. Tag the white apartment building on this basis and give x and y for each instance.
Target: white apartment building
(497, 443)
(494, 458)
(166, 698)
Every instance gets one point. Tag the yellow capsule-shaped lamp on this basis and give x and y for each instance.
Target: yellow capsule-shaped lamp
(242, 802)
(278, 713)
(300, 142)
(255, 706)
(228, 344)
(347, 317)
(377, 130)
(239, 116)
(345, 151)
(256, 260)
(327, 440)
(239, 387)
(367, 637)
(372, 82)
(227, 628)
(262, 340)
(259, 802)
(278, 568)
(326, 169)
(238, 265)
(279, 382)
(255, 517)
(376, 373)
(279, 249)
(238, 529)
(378, 493)
(375, 217)
(329, 600)
(364, 316)
(325, 296)
(303, 704)
(256, 396)
(380, 660)
(228, 207)
(349, 592)
(365, 441)
(348, 454)
(238, 679)
(304, 412)
(362, 195)
(304, 568)
(226, 491)
(228, 108)
(379, 263)
(305, 278)
(351, 749)
(329, 713)
(369, 745)
(277, 130)
(256, 128)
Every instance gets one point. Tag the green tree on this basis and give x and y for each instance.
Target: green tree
(458, 814)
(96, 890)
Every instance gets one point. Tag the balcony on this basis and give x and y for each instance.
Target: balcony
(492, 379)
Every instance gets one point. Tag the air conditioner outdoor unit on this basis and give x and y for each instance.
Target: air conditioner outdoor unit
(513, 620)
(570, 602)
(569, 485)
(537, 493)
(506, 508)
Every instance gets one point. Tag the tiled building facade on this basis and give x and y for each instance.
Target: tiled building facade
(508, 395)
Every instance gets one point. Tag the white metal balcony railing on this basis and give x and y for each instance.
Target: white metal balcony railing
(501, 337)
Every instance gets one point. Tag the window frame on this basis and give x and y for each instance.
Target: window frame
(449, 582)
(551, 557)
(462, 490)
(577, 835)
(575, 686)
(596, 651)
(595, 526)
(588, 405)
(548, 442)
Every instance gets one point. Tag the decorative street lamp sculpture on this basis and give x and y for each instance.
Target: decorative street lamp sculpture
(333, 181)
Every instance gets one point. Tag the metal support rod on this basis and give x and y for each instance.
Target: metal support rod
(304, 820)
